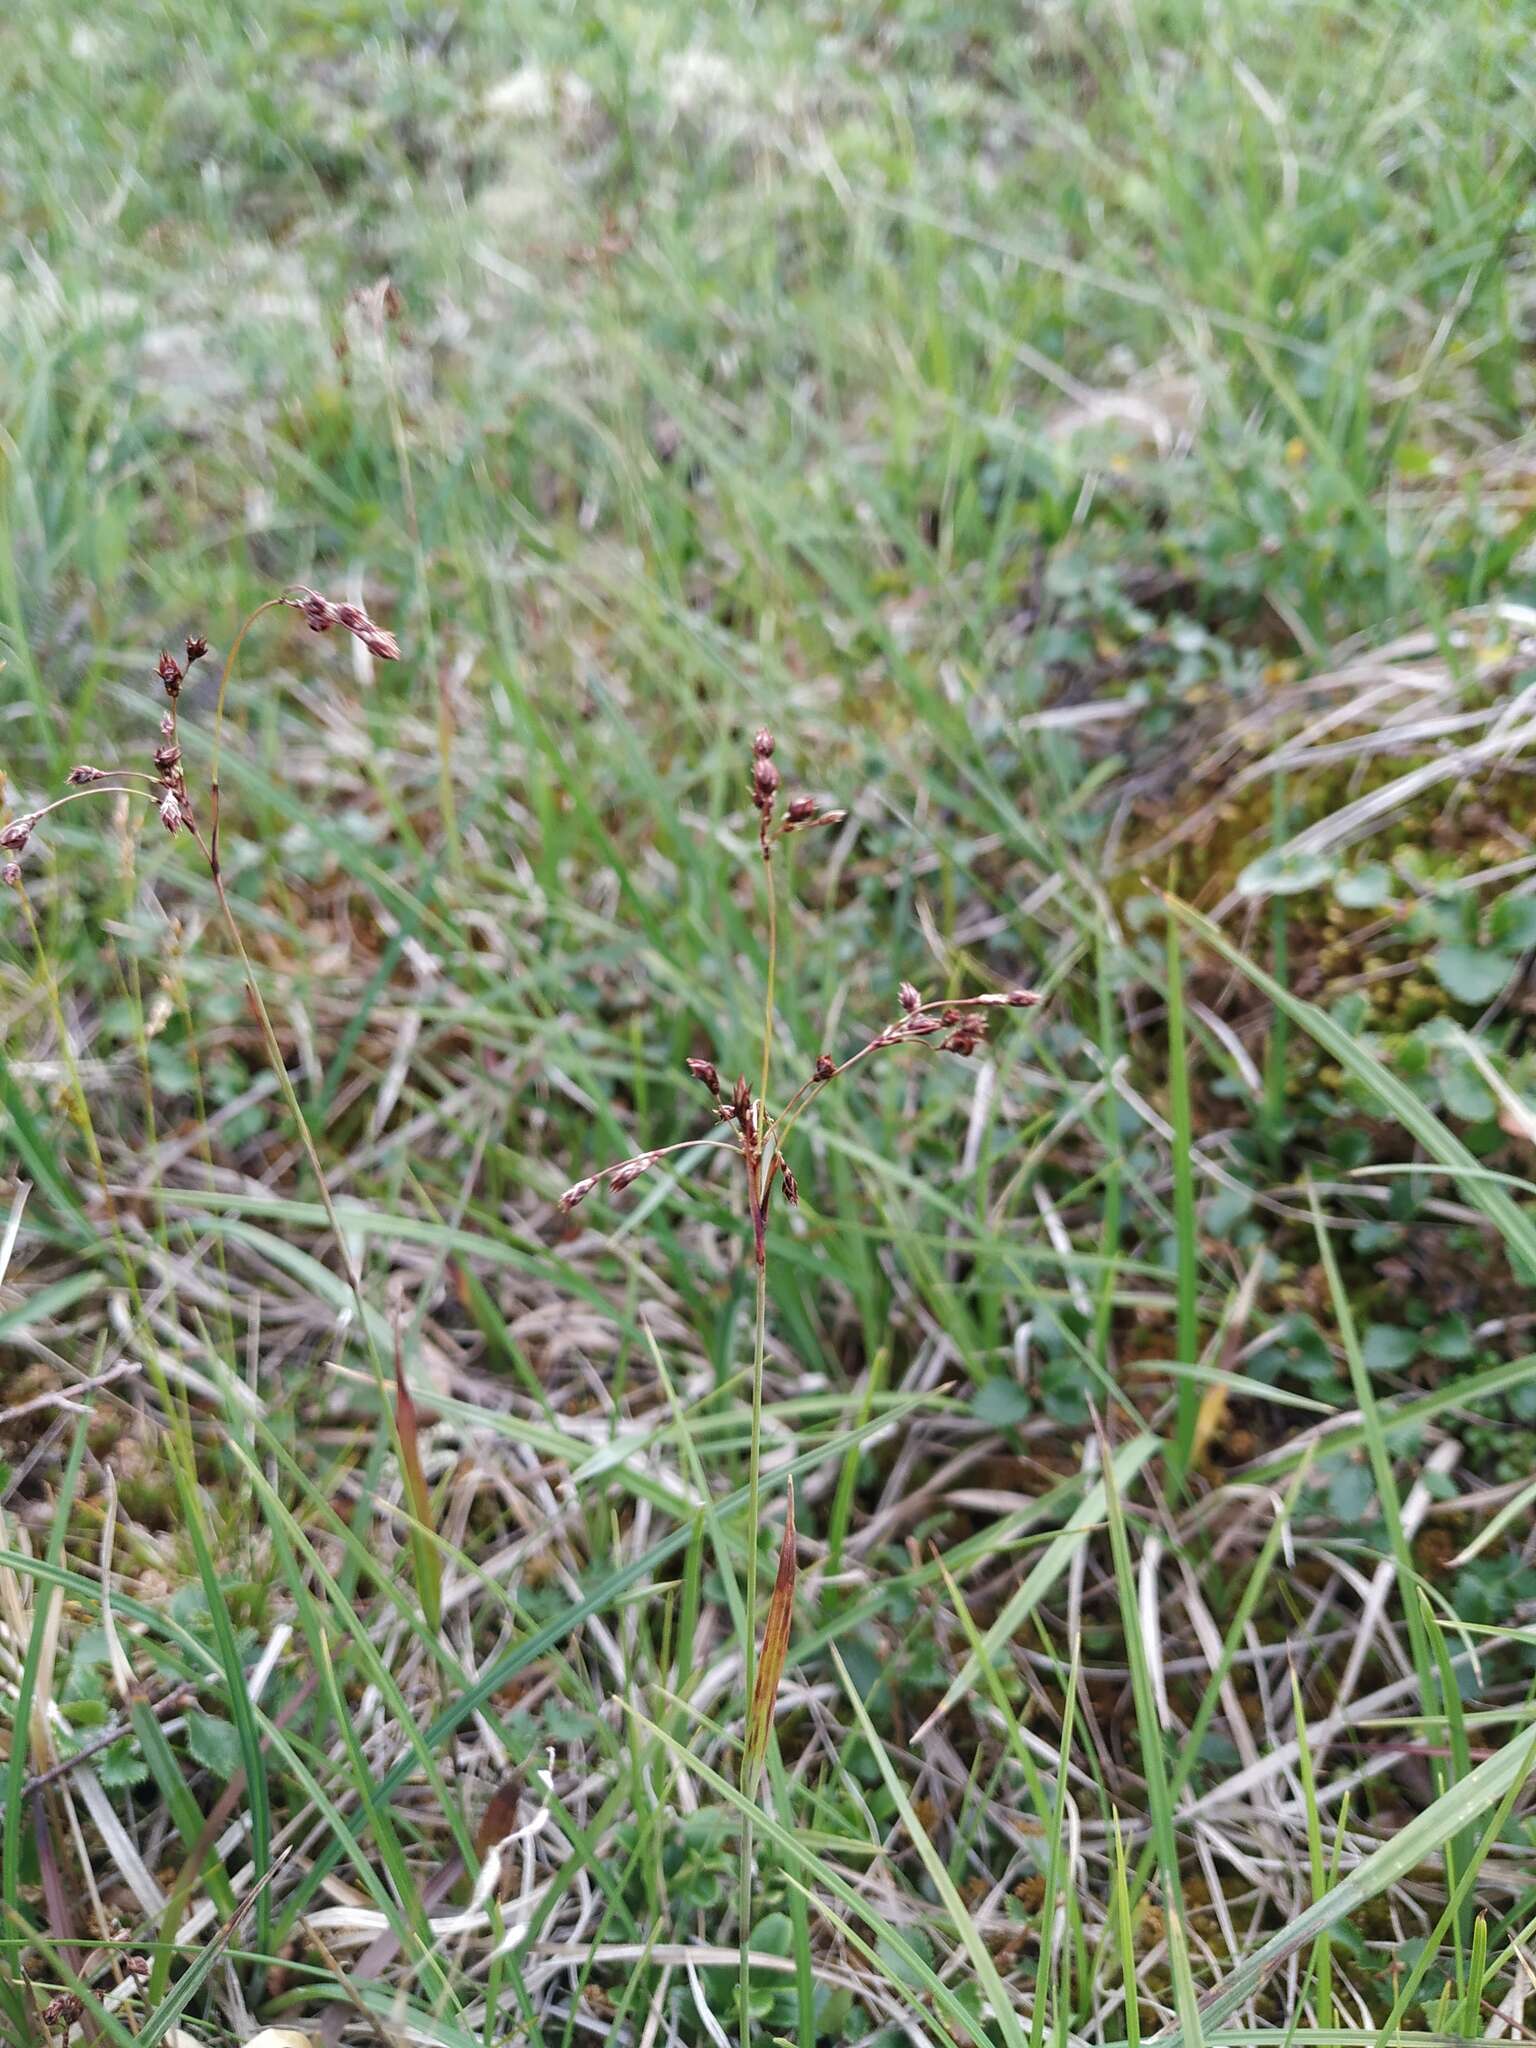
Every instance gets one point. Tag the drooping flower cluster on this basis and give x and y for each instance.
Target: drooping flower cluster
(321, 613)
(956, 1026)
(167, 786)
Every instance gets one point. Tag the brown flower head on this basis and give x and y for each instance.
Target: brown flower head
(15, 835)
(170, 672)
(321, 615)
(630, 1172)
(379, 643)
(84, 775)
(965, 1037)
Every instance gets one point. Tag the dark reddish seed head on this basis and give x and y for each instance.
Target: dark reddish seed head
(763, 744)
(705, 1071)
(197, 647)
(169, 670)
(802, 810)
(910, 999)
(825, 1067)
(629, 1173)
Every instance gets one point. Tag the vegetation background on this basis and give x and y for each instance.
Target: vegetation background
(1095, 437)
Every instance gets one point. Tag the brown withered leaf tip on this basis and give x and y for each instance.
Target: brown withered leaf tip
(499, 1818)
(770, 1664)
(408, 1429)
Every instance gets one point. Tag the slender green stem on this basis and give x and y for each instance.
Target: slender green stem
(759, 1351)
(279, 1066)
(267, 605)
(211, 850)
(760, 1172)
(773, 962)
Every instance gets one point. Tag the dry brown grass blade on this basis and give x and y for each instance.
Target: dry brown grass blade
(429, 1576)
(770, 1665)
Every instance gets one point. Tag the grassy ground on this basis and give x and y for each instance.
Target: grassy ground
(1093, 438)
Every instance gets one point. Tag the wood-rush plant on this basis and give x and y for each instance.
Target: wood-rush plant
(194, 814)
(758, 1135)
(182, 813)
